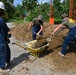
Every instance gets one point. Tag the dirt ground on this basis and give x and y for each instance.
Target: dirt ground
(55, 45)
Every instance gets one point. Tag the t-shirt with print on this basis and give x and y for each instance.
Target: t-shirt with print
(69, 23)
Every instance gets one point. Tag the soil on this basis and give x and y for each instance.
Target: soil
(41, 41)
(55, 45)
(21, 33)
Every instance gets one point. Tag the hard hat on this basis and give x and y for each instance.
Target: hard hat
(40, 17)
(64, 15)
(2, 6)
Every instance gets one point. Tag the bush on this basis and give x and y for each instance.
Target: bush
(57, 21)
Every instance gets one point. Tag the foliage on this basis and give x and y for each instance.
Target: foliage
(66, 6)
(57, 8)
(60, 8)
(18, 21)
(18, 11)
(45, 10)
(31, 9)
(9, 7)
(29, 4)
(34, 9)
(57, 21)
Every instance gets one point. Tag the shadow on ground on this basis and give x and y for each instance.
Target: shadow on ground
(46, 52)
(18, 60)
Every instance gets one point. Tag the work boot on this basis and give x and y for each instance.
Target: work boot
(4, 70)
(62, 55)
(8, 64)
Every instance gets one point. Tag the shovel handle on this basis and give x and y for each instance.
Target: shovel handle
(49, 39)
(58, 31)
(32, 31)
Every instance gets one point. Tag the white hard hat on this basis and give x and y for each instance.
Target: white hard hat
(2, 6)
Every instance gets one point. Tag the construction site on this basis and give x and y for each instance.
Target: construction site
(50, 54)
(43, 60)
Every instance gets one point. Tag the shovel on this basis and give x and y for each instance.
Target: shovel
(49, 39)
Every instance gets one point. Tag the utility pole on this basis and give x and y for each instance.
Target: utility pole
(75, 10)
(71, 9)
(51, 20)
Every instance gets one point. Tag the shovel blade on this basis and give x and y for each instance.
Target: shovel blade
(48, 39)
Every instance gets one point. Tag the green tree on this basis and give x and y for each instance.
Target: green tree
(57, 8)
(9, 7)
(44, 9)
(18, 11)
(29, 4)
(40, 9)
(66, 6)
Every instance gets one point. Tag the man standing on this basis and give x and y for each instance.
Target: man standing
(4, 34)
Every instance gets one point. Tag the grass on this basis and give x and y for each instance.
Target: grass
(19, 21)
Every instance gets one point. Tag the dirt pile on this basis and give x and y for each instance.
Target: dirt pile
(41, 41)
(55, 45)
(21, 33)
